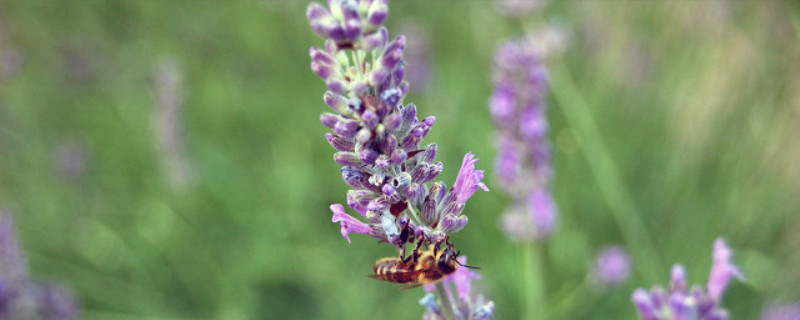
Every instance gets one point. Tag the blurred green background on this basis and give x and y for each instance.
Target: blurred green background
(165, 160)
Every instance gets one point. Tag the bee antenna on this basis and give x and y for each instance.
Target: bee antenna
(466, 266)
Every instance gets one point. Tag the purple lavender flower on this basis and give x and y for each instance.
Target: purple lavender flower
(781, 312)
(524, 157)
(467, 306)
(377, 137)
(679, 302)
(21, 298)
(613, 266)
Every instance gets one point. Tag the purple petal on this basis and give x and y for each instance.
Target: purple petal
(468, 180)
(349, 224)
(722, 270)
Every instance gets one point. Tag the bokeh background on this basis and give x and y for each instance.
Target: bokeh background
(165, 159)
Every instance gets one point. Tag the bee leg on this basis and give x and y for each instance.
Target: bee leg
(415, 253)
(402, 250)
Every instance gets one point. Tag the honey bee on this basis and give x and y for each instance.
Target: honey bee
(421, 267)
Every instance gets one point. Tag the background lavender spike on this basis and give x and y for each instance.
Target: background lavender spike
(524, 158)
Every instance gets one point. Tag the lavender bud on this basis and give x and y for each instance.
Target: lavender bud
(346, 127)
(391, 193)
(377, 13)
(347, 158)
(391, 97)
(370, 119)
(411, 142)
(409, 115)
(452, 208)
(432, 172)
(415, 193)
(329, 120)
(336, 85)
(322, 22)
(336, 102)
(339, 143)
(360, 199)
(397, 77)
(356, 105)
(429, 154)
(375, 40)
(388, 144)
(429, 214)
(393, 55)
(378, 76)
(377, 179)
(322, 70)
(383, 162)
(363, 136)
(378, 205)
(352, 21)
(321, 57)
(452, 223)
(368, 156)
(437, 191)
(399, 156)
(316, 11)
(393, 121)
(418, 172)
(360, 88)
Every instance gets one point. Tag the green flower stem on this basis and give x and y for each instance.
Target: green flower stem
(447, 305)
(605, 172)
(533, 305)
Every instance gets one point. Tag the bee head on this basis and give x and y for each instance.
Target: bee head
(447, 259)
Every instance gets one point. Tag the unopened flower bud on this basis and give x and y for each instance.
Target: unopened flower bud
(399, 156)
(339, 143)
(429, 214)
(347, 158)
(368, 156)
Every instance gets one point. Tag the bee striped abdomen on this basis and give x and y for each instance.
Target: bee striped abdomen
(394, 270)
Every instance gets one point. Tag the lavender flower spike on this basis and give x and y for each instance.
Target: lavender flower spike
(523, 164)
(378, 138)
(681, 302)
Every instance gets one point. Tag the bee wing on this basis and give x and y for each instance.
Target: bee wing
(411, 286)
